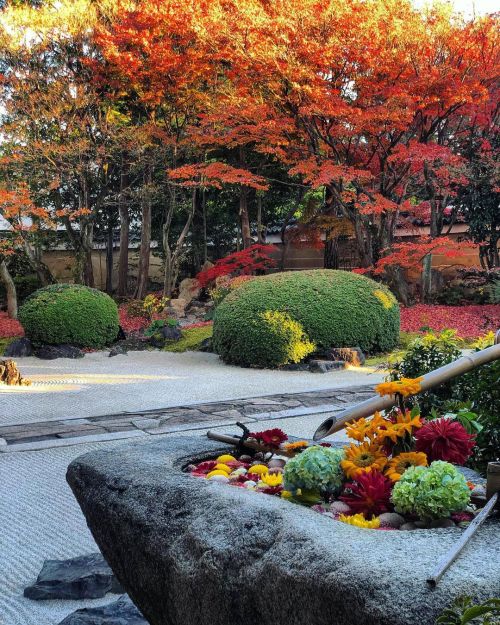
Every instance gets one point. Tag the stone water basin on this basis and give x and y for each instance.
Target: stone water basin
(196, 552)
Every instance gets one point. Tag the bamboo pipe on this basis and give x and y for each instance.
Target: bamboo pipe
(430, 380)
(493, 499)
(254, 445)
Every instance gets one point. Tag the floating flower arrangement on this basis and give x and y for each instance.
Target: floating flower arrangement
(396, 474)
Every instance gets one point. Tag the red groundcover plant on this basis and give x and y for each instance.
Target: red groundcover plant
(246, 262)
(9, 327)
(468, 321)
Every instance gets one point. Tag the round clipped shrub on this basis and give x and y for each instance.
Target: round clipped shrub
(316, 468)
(433, 492)
(70, 313)
(334, 308)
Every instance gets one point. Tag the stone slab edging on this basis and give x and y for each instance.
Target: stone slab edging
(191, 551)
(64, 432)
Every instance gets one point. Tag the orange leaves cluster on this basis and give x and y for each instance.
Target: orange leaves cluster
(215, 175)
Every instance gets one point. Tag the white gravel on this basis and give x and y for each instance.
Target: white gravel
(97, 385)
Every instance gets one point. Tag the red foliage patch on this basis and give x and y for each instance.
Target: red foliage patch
(9, 327)
(131, 324)
(469, 321)
(254, 258)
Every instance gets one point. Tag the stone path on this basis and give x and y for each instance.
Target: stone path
(63, 432)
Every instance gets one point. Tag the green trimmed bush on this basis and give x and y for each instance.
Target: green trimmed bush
(70, 313)
(334, 309)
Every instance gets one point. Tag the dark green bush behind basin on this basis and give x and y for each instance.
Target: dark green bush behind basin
(70, 313)
(334, 308)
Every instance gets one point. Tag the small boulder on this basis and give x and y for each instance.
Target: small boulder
(51, 352)
(171, 333)
(20, 348)
(189, 289)
(118, 350)
(324, 366)
(178, 306)
(296, 366)
(84, 577)
(206, 345)
(121, 612)
(352, 355)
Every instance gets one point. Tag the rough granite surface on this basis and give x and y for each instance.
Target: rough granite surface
(191, 552)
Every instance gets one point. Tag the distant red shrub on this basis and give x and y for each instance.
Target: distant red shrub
(9, 327)
(245, 262)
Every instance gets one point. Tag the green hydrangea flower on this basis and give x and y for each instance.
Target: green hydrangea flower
(316, 468)
(433, 492)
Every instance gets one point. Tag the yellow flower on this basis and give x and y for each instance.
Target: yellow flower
(403, 425)
(365, 428)
(259, 469)
(398, 465)
(297, 445)
(362, 459)
(358, 520)
(286, 494)
(222, 467)
(217, 472)
(404, 387)
(226, 458)
(272, 479)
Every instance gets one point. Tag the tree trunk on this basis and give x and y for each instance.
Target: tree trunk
(246, 235)
(173, 258)
(109, 254)
(124, 237)
(40, 268)
(145, 250)
(427, 278)
(331, 252)
(10, 287)
(260, 228)
(87, 235)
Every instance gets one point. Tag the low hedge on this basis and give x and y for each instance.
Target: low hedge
(70, 313)
(334, 309)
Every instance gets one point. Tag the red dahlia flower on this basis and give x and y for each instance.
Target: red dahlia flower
(443, 439)
(272, 438)
(369, 494)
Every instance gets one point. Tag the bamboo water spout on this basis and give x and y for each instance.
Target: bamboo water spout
(430, 380)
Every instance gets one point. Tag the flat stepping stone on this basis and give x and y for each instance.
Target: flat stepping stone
(121, 612)
(84, 577)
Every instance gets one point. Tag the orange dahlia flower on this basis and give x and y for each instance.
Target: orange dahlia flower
(362, 459)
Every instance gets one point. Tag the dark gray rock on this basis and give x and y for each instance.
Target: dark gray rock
(296, 366)
(193, 552)
(121, 612)
(207, 345)
(324, 366)
(84, 577)
(122, 335)
(19, 348)
(118, 350)
(171, 333)
(352, 355)
(51, 352)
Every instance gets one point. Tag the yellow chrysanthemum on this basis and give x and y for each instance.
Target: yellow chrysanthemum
(362, 459)
(272, 479)
(404, 387)
(365, 428)
(226, 458)
(220, 466)
(358, 520)
(403, 425)
(398, 465)
(259, 469)
(216, 472)
(296, 445)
